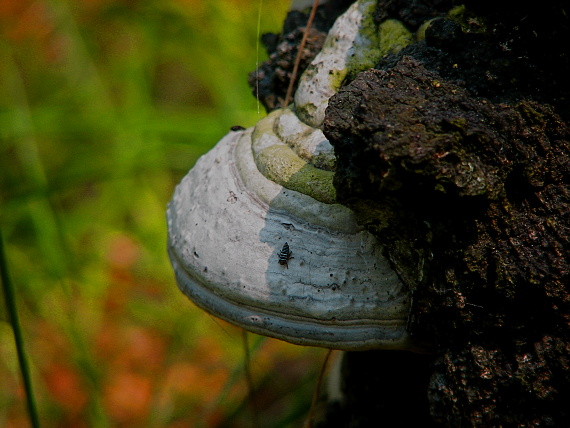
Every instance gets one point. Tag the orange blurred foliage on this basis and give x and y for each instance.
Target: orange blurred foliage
(127, 396)
(66, 387)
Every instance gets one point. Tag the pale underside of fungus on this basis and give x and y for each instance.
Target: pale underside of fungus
(260, 188)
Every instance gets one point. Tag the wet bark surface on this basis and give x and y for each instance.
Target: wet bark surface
(458, 159)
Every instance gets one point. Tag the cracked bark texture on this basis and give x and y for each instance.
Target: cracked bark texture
(455, 153)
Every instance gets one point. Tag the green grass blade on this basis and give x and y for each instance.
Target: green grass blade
(10, 301)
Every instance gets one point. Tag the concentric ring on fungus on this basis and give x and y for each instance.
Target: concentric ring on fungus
(255, 190)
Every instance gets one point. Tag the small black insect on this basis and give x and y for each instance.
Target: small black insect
(237, 128)
(285, 255)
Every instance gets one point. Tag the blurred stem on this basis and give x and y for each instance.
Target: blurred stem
(50, 233)
(234, 378)
(317, 392)
(249, 380)
(12, 310)
(25, 144)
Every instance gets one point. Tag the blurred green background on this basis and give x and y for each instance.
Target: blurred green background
(104, 106)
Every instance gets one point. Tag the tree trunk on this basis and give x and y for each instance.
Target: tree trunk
(455, 153)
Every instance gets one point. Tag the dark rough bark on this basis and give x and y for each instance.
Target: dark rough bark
(412, 13)
(456, 154)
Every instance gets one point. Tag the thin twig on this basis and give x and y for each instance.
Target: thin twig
(257, 58)
(299, 53)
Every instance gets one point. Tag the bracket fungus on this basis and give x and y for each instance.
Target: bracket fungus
(262, 187)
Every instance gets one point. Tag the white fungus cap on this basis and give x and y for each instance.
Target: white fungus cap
(254, 191)
(227, 224)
